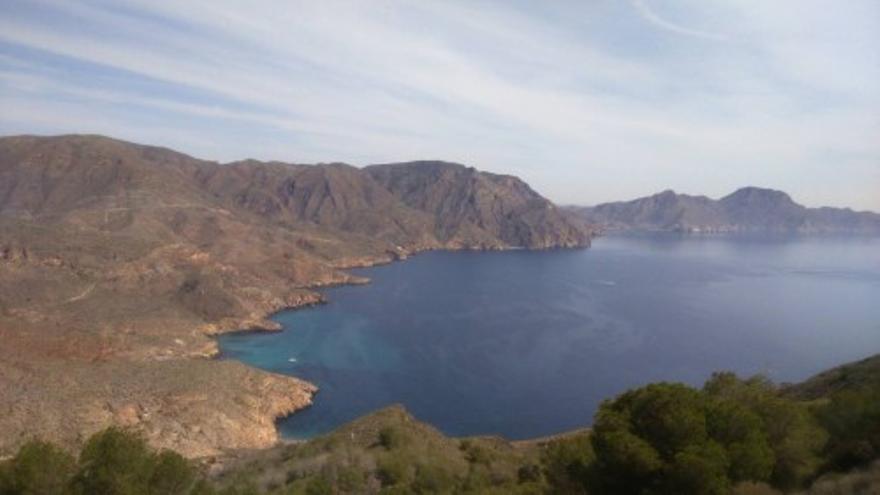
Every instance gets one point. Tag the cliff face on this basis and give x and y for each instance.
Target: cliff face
(749, 209)
(418, 205)
(334, 197)
(119, 261)
(469, 207)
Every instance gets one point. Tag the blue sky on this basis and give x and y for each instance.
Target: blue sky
(589, 101)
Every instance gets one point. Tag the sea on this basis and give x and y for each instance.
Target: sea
(525, 344)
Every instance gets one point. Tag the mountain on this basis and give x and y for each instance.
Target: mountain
(749, 209)
(119, 261)
(412, 206)
(466, 204)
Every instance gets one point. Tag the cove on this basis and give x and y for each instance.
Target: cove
(526, 344)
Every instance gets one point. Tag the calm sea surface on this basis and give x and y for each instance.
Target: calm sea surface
(525, 344)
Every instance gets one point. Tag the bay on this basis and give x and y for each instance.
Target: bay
(526, 344)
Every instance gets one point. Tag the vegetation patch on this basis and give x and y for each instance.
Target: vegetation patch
(744, 437)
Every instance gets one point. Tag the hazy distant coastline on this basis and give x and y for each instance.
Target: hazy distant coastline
(747, 210)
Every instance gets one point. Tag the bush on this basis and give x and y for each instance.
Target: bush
(567, 463)
(637, 436)
(172, 475)
(475, 453)
(392, 470)
(202, 487)
(115, 462)
(698, 469)
(795, 439)
(39, 468)
(319, 486)
(670, 438)
(433, 479)
(351, 479)
(391, 437)
(852, 419)
(478, 479)
(528, 473)
(733, 436)
(112, 462)
(791, 432)
(740, 431)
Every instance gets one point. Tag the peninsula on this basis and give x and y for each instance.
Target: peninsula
(118, 262)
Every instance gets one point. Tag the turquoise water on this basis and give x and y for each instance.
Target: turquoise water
(525, 344)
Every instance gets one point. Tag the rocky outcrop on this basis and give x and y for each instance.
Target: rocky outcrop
(749, 209)
(469, 207)
(197, 407)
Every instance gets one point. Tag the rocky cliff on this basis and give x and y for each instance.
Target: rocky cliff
(466, 206)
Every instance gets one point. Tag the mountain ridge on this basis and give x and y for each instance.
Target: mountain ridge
(747, 210)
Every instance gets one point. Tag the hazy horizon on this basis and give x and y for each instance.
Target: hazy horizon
(588, 103)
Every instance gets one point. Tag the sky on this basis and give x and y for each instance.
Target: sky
(587, 100)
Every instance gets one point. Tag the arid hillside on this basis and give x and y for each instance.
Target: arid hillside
(119, 261)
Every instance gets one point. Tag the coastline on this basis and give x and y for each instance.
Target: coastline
(294, 324)
(264, 323)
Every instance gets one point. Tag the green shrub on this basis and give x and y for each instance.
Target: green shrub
(528, 473)
(112, 462)
(699, 469)
(796, 440)
(172, 474)
(115, 462)
(791, 432)
(7, 482)
(852, 419)
(740, 430)
(478, 479)
(391, 437)
(392, 470)
(567, 462)
(431, 478)
(732, 436)
(351, 479)
(39, 468)
(475, 453)
(202, 487)
(670, 438)
(319, 486)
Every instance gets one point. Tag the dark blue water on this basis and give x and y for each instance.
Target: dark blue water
(528, 343)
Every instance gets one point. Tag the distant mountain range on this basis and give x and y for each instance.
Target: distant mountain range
(415, 205)
(750, 209)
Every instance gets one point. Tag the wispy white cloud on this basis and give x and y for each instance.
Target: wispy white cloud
(649, 15)
(574, 97)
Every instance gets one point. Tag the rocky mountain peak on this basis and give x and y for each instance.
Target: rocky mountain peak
(758, 196)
